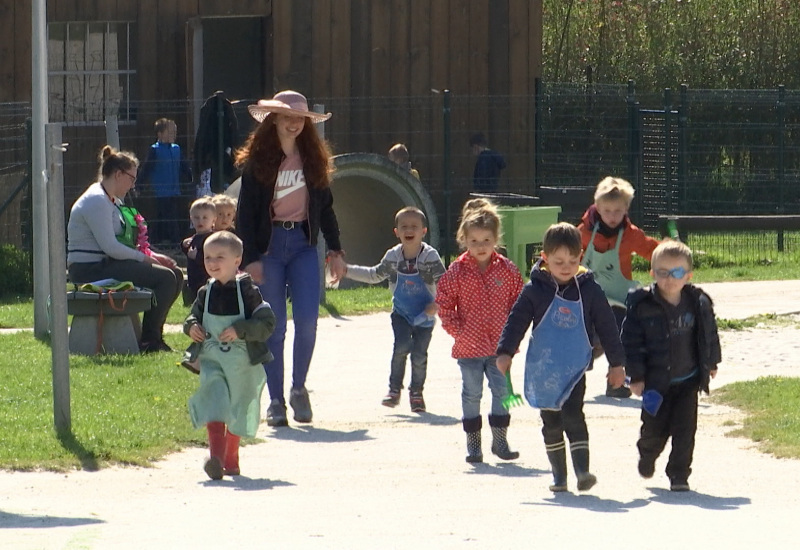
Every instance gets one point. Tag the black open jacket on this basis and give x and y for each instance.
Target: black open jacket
(254, 217)
(645, 335)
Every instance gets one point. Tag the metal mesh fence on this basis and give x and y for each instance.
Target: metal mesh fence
(685, 151)
(14, 198)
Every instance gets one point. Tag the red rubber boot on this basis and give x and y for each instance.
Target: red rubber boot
(216, 446)
(231, 467)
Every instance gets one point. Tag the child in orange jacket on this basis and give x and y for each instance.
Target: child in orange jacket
(609, 239)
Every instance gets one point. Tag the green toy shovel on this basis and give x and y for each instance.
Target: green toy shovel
(512, 399)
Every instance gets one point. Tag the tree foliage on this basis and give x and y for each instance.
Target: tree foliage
(742, 44)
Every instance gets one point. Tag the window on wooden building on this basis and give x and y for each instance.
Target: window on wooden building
(91, 71)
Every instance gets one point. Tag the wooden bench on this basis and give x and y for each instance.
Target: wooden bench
(107, 322)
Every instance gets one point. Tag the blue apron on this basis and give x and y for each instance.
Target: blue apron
(230, 387)
(559, 352)
(411, 296)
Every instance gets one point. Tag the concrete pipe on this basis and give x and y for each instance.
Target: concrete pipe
(368, 189)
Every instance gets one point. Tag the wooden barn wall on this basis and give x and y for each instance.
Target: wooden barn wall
(356, 55)
(362, 58)
(160, 52)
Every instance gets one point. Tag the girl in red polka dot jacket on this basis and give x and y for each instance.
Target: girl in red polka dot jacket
(474, 297)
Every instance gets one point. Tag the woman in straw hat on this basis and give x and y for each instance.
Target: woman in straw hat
(285, 200)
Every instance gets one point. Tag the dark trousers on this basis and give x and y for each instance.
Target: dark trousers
(412, 340)
(167, 227)
(569, 420)
(676, 418)
(166, 284)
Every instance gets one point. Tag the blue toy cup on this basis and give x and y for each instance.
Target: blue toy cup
(651, 402)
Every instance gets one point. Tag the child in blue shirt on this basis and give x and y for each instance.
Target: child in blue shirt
(164, 170)
(413, 268)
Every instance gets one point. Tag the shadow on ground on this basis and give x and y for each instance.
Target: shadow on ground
(505, 469)
(310, 434)
(244, 483)
(71, 444)
(693, 498)
(592, 503)
(24, 521)
(428, 418)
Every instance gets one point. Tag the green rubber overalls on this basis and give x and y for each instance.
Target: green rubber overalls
(230, 387)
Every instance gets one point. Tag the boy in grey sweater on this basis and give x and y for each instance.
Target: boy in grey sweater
(413, 268)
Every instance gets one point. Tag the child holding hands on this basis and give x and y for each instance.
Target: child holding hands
(232, 322)
(474, 297)
(566, 307)
(413, 268)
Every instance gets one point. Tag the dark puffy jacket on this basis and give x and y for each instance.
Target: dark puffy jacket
(536, 297)
(254, 217)
(645, 335)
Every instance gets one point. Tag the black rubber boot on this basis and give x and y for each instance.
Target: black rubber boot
(472, 427)
(580, 461)
(499, 426)
(557, 455)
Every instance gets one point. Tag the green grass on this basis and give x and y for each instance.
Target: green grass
(772, 405)
(124, 409)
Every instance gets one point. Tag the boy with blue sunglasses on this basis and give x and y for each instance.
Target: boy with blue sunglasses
(672, 349)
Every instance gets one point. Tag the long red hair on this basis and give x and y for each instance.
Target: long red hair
(263, 152)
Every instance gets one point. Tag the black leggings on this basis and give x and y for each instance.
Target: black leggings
(166, 284)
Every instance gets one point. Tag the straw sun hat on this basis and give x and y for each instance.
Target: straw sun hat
(289, 103)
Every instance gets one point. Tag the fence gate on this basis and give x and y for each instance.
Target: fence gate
(659, 160)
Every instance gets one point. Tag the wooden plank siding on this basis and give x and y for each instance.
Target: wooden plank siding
(376, 64)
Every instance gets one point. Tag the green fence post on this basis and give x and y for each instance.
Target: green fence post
(633, 110)
(683, 116)
(668, 147)
(780, 109)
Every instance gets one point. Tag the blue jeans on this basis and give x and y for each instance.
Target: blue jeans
(413, 340)
(291, 260)
(472, 372)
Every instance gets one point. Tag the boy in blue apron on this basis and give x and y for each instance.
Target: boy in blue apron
(672, 347)
(232, 322)
(609, 240)
(566, 307)
(413, 268)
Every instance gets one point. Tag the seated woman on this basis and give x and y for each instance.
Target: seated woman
(103, 244)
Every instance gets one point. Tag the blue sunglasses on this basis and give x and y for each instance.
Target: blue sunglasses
(675, 273)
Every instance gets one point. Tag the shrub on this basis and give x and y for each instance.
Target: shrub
(16, 277)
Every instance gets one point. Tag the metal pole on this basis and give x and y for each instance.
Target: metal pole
(40, 116)
(668, 147)
(446, 178)
(781, 112)
(683, 138)
(112, 131)
(59, 337)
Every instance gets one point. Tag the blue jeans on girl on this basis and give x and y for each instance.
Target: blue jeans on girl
(291, 260)
(473, 370)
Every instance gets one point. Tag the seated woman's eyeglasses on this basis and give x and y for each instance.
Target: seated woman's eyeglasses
(133, 178)
(675, 273)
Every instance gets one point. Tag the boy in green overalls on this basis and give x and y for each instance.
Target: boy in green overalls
(609, 239)
(232, 321)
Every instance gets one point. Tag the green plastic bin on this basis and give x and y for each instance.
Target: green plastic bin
(524, 225)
